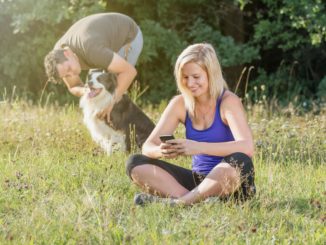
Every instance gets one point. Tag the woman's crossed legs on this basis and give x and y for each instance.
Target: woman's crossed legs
(234, 176)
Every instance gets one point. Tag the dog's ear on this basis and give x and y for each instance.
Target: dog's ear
(109, 81)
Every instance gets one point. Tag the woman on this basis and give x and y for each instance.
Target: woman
(217, 137)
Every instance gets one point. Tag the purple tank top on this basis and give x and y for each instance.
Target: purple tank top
(217, 132)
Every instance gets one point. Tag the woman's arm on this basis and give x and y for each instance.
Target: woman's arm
(171, 117)
(232, 114)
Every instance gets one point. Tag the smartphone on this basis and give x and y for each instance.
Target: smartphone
(164, 138)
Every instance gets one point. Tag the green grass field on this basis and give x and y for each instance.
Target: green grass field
(57, 187)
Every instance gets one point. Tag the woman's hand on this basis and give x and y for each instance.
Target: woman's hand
(167, 150)
(185, 147)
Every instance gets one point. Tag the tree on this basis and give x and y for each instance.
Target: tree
(290, 35)
(284, 39)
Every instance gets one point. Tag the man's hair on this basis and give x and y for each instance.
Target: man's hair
(51, 60)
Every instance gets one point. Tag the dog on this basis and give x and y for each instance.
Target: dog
(128, 122)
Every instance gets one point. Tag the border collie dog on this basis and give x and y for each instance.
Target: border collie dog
(128, 122)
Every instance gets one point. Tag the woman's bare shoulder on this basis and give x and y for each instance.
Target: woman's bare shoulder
(231, 104)
(177, 101)
(178, 98)
(230, 98)
(177, 105)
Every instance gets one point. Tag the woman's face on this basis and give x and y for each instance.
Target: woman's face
(195, 79)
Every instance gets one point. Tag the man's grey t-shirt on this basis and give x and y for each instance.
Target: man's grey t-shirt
(95, 38)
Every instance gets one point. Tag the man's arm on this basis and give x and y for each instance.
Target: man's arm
(74, 85)
(125, 74)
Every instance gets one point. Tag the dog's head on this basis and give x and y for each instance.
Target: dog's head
(98, 81)
(93, 87)
(99, 90)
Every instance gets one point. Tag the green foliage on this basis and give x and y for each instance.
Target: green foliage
(157, 59)
(276, 33)
(32, 28)
(290, 24)
(322, 89)
(280, 83)
(229, 53)
(291, 36)
(168, 27)
(29, 30)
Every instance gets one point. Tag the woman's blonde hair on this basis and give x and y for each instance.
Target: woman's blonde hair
(204, 55)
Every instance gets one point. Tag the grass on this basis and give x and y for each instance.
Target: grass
(57, 187)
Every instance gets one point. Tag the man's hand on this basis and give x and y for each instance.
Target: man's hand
(105, 114)
(77, 90)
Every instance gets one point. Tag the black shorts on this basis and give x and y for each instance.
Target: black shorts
(190, 179)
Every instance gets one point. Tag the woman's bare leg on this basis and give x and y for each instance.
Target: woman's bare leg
(157, 181)
(221, 181)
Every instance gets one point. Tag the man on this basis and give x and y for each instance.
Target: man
(108, 41)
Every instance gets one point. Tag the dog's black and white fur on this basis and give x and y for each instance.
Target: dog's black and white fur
(126, 118)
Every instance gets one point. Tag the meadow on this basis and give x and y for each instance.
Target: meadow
(58, 187)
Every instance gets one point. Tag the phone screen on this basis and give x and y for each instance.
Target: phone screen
(164, 138)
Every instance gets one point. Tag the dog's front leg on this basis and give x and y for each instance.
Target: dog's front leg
(118, 142)
(107, 146)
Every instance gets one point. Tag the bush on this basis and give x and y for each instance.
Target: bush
(291, 38)
(278, 34)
